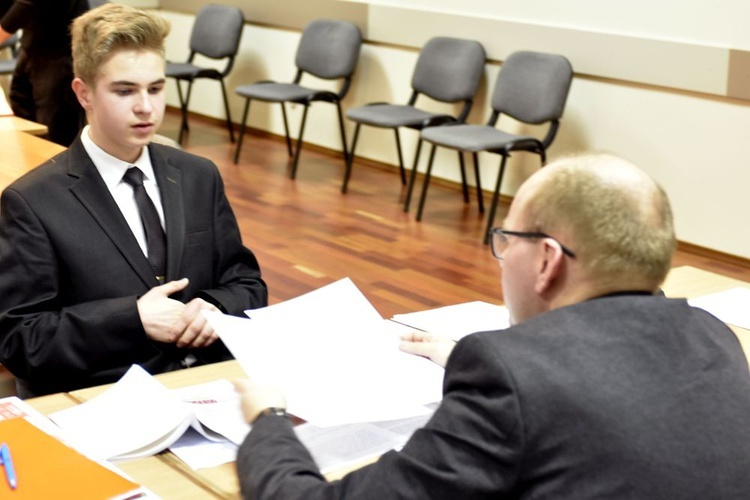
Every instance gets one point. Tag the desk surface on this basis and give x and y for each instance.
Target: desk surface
(168, 477)
(10, 123)
(22, 152)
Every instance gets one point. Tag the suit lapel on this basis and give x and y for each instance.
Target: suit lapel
(169, 179)
(92, 193)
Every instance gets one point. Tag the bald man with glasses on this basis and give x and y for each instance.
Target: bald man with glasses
(600, 389)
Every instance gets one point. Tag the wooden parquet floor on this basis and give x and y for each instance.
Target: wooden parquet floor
(306, 234)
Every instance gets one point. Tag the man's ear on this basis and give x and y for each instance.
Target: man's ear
(551, 264)
(83, 93)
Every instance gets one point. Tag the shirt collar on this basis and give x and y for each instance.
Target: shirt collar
(112, 169)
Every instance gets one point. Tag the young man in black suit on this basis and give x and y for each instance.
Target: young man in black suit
(99, 271)
(600, 389)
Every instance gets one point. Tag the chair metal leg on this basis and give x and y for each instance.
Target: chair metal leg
(413, 176)
(242, 130)
(299, 142)
(400, 157)
(343, 132)
(426, 182)
(183, 111)
(230, 126)
(464, 186)
(286, 130)
(495, 197)
(480, 195)
(350, 159)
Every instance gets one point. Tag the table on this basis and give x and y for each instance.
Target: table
(22, 152)
(168, 477)
(14, 123)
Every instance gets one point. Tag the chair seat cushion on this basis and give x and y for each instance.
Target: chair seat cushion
(389, 115)
(275, 92)
(471, 137)
(187, 71)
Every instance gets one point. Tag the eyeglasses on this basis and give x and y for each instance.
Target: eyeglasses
(499, 241)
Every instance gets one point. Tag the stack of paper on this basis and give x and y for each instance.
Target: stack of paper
(139, 417)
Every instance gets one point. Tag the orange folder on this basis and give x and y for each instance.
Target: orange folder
(47, 468)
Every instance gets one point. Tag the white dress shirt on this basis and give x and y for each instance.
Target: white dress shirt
(112, 169)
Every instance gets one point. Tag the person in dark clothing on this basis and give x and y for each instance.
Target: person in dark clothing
(40, 89)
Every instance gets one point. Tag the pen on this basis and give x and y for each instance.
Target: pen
(7, 461)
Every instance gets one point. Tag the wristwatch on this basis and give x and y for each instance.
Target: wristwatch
(279, 412)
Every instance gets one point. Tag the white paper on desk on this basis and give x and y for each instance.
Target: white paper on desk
(334, 448)
(198, 453)
(731, 306)
(335, 367)
(458, 320)
(135, 417)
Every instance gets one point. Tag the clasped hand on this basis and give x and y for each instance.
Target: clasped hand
(170, 321)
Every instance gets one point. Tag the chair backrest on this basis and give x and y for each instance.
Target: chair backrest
(329, 49)
(532, 87)
(217, 31)
(449, 69)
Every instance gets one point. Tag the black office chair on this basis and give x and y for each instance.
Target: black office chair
(8, 66)
(329, 50)
(216, 35)
(447, 70)
(532, 88)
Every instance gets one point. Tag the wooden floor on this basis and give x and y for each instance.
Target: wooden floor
(306, 234)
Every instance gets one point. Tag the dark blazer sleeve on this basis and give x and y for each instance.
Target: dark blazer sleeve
(237, 277)
(470, 449)
(43, 339)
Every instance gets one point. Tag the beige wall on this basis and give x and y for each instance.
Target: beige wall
(686, 132)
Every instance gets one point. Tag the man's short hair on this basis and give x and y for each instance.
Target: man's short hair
(100, 33)
(619, 230)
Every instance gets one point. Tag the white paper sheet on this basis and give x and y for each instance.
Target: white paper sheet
(198, 453)
(335, 358)
(457, 321)
(731, 306)
(333, 448)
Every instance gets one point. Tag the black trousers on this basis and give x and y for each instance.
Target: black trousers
(40, 91)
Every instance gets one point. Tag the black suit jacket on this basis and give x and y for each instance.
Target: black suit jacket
(71, 269)
(627, 397)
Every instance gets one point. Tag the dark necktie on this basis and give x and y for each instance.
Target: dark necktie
(155, 239)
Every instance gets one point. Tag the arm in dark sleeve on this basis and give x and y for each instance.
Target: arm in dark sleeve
(43, 339)
(238, 285)
(15, 15)
(470, 448)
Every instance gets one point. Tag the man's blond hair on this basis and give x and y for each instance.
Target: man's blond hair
(615, 218)
(100, 33)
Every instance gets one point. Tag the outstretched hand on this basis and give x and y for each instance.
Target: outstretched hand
(434, 347)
